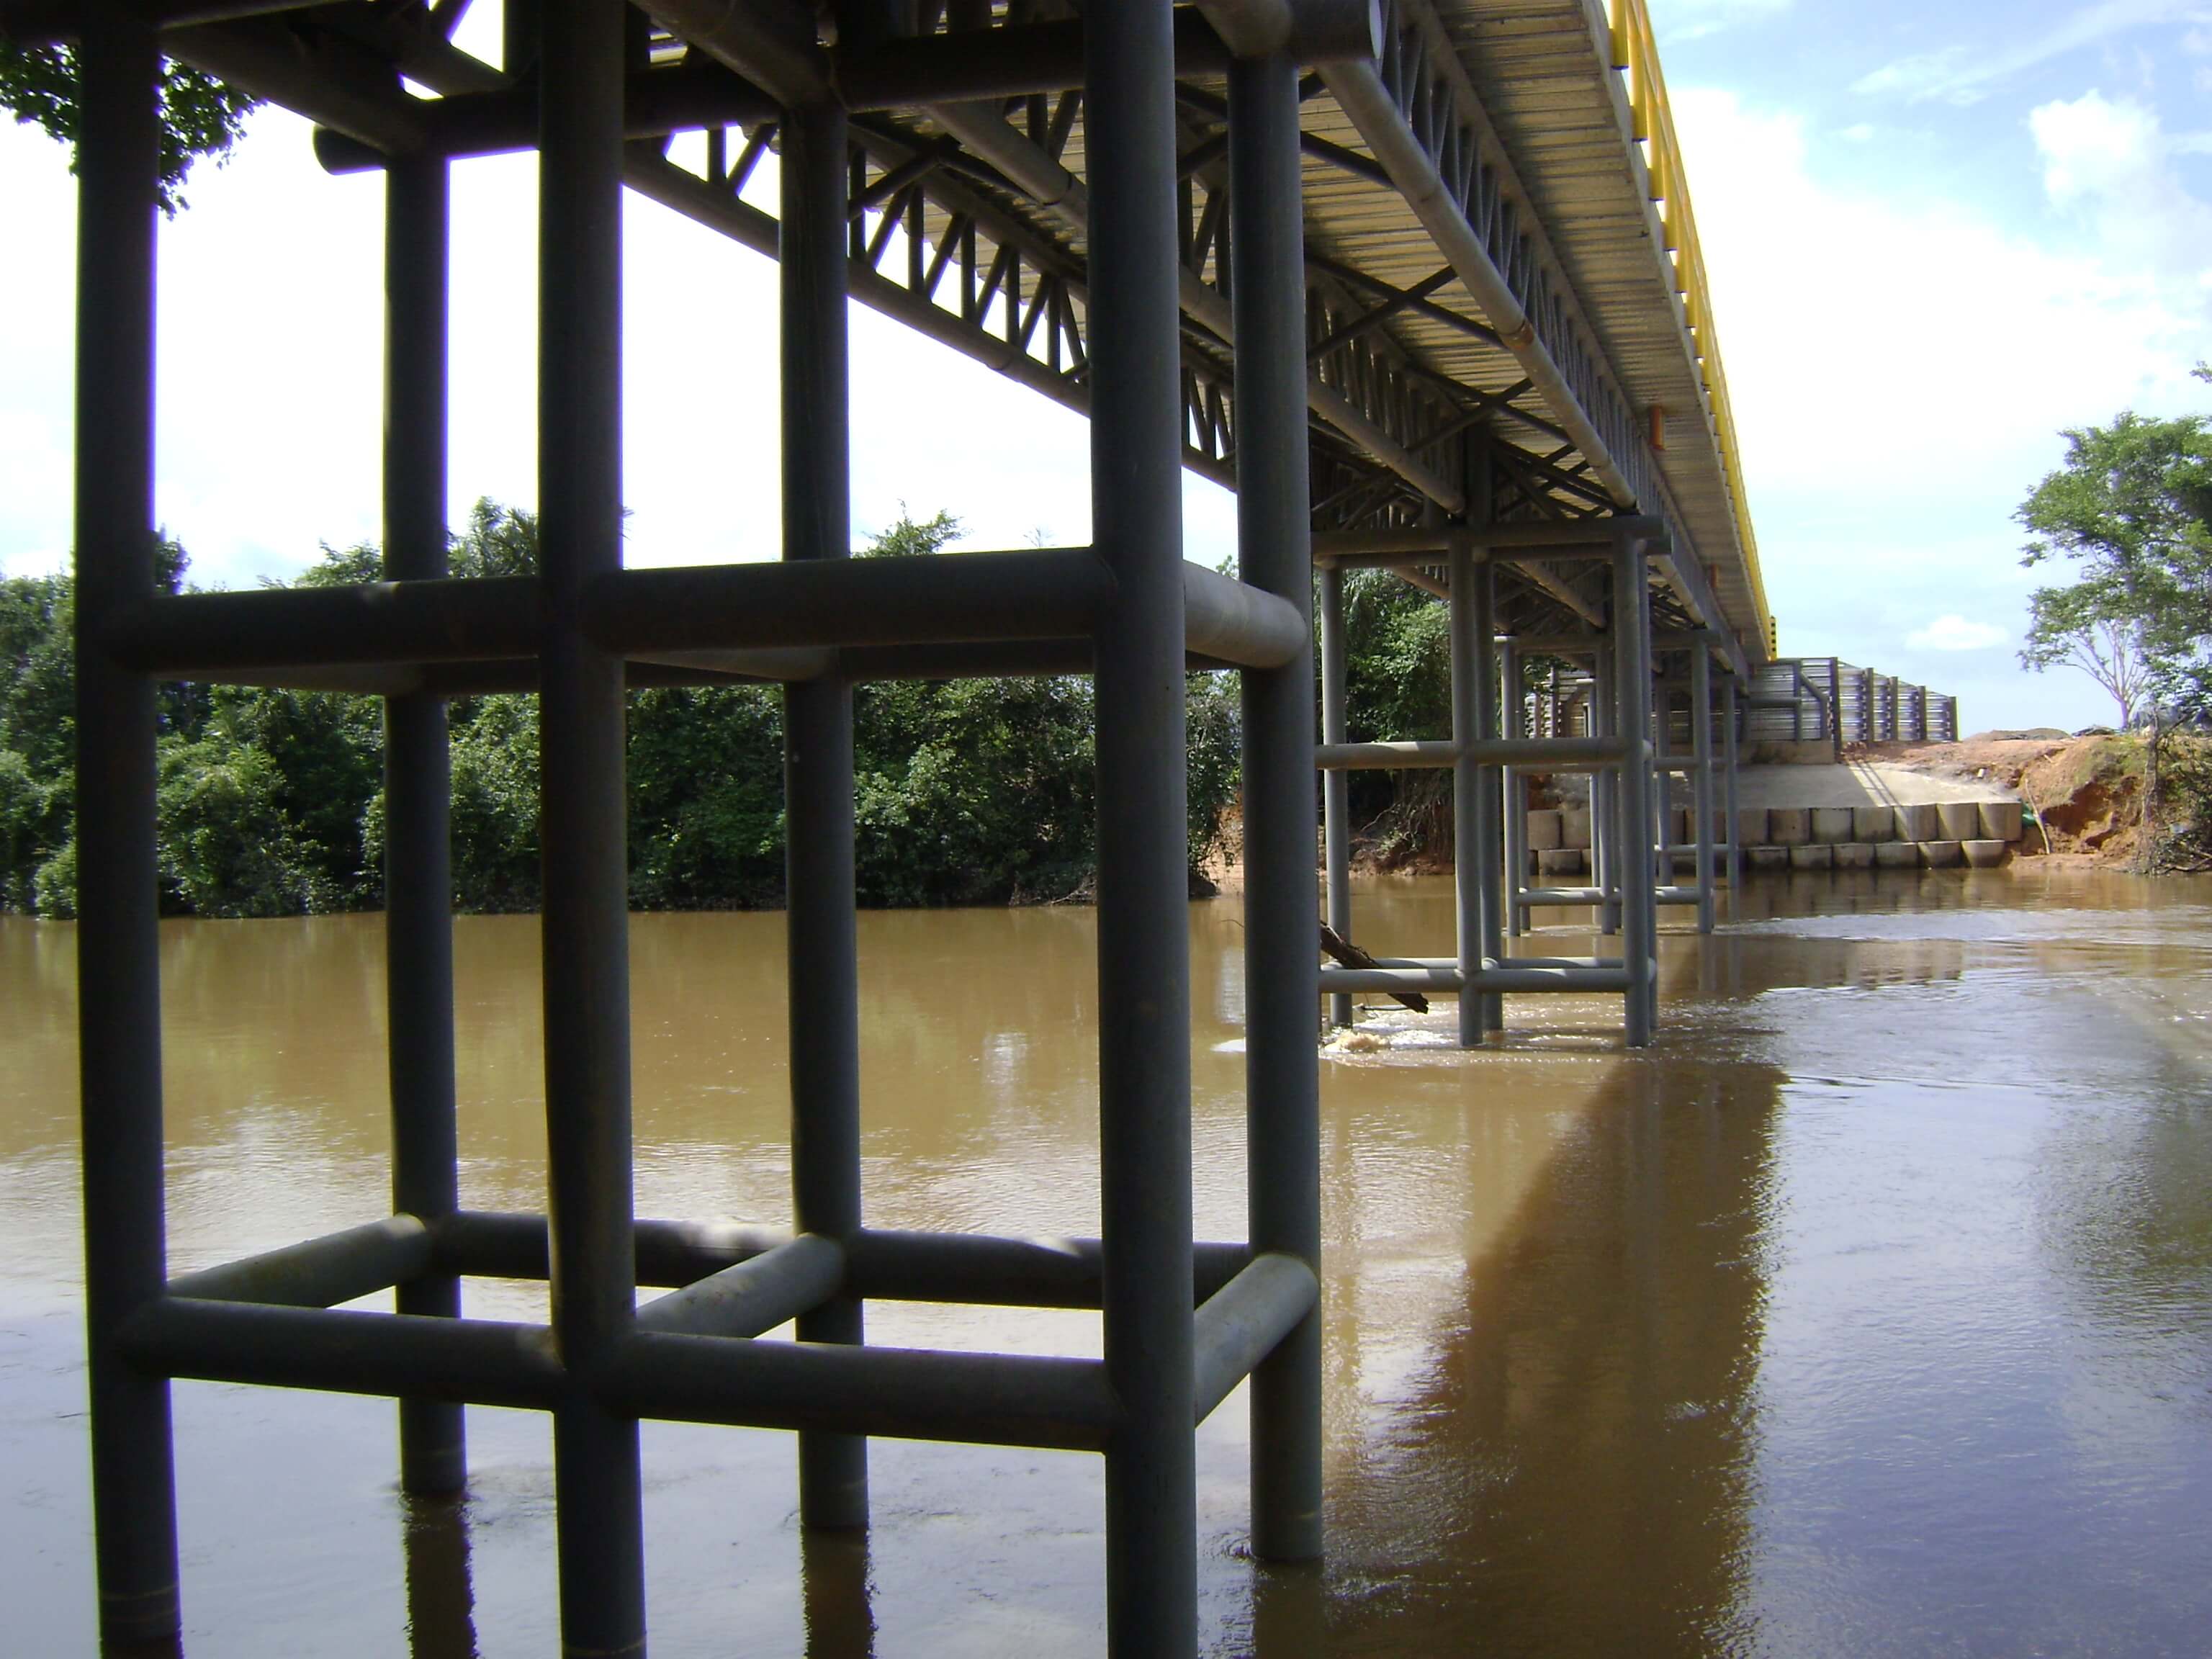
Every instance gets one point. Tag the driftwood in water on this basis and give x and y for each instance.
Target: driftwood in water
(1353, 957)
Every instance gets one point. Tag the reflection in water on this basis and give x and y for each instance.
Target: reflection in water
(1868, 1311)
(441, 1601)
(839, 1622)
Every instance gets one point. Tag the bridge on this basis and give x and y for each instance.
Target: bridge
(1419, 280)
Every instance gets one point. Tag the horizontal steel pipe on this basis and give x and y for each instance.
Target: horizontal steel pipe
(1554, 536)
(477, 1361)
(321, 1271)
(1226, 620)
(1045, 594)
(1239, 1325)
(1500, 962)
(1562, 895)
(206, 635)
(54, 22)
(1311, 30)
(508, 1244)
(886, 1265)
(1403, 757)
(756, 1295)
(1548, 751)
(657, 102)
(1396, 980)
(909, 1394)
(1518, 980)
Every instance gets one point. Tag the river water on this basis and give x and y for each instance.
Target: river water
(1869, 1312)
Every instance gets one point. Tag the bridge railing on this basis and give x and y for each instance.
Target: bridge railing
(1636, 54)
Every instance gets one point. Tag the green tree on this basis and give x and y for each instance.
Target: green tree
(2129, 513)
(200, 115)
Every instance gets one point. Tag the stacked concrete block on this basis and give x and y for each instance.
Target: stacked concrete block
(1575, 828)
(1985, 855)
(1940, 854)
(1854, 855)
(1768, 858)
(1832, 825)
(1961, 820)
(1560, 861)
(1543, 831)
(1897, 855)
(1916, 823)
(2001, 820)
(1873, 824)
(1789, 826)
(1751, 827)
(1816, 855)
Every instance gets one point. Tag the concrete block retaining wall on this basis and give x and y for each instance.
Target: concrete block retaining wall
(1936, 835)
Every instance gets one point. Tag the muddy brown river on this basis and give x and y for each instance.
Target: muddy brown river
(1869, 1312)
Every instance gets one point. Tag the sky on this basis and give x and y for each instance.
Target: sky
(1936, 237)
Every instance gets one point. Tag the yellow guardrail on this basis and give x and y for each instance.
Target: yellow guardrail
(1636, 54)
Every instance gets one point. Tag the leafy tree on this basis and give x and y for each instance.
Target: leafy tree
(2130, 512)
(200, 116)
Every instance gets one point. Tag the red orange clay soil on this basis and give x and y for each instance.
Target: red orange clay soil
(2087, 791)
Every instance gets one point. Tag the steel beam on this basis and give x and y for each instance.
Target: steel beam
(582, 815)
(1144, 970)
(1244, 1323)
(823, 946)
(1632, 674)
(885, 1264)
(1469, 628)
(1282, 1073)
(1701, 751)
(322, 1272)
(1335, 791)
(418, 889)
(119, 966)
(755, 1295)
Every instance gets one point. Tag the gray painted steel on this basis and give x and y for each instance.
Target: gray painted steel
(1144, 970)
(582, 822)
(1282, 1071)
(418, 888)
(118, 974)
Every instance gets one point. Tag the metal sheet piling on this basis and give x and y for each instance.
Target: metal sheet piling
(582, 820)
(1282, 1078)
(823, 944)
(418, 889)
(118, 970)
(1144, 970)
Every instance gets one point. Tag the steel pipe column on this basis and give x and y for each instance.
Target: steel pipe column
(118, 970)
(1144, 967)
(822, 941)
(1515, 786)
(1730, 713)
(418, 917)
(1470, 855)
(1632, 867)
(582, 818)
(1605, 793)
(1282, 1071)
(1701, 757)
(1336, 788)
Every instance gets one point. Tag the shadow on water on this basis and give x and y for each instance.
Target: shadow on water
(440, 1597)
(1572, 1472)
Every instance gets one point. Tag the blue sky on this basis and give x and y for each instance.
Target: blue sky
(1936, 235)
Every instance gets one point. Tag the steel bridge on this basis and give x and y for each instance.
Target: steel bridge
(1419, 280)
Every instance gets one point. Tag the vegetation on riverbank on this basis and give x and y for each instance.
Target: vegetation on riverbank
(270, 803)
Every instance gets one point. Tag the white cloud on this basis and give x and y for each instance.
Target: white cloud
(1858, 132)
(2106, 162)
(1960, 74)
(1899, 370)
(1956, 632)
